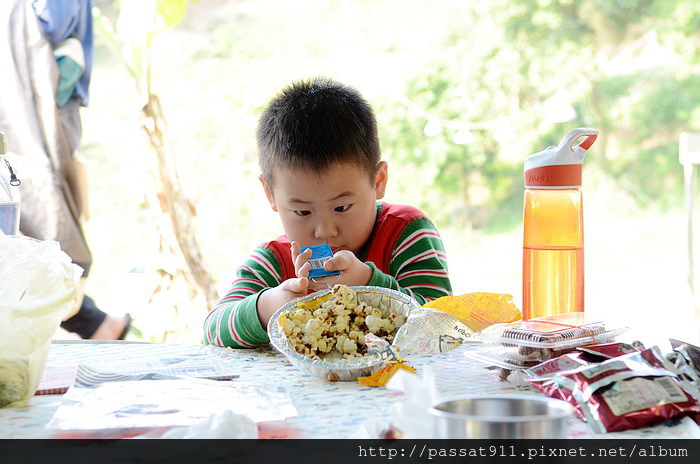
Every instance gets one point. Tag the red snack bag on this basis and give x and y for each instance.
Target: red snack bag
(550, 387)
(629, 391)
(550, 367)
(598, 353)
(541, 377)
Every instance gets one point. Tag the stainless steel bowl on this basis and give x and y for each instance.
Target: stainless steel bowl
(500, 417)
(390, 301)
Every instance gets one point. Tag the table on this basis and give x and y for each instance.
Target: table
(325, 410)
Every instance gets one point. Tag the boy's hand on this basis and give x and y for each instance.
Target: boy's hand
(273, 299)
(301, 260)
(352, 270)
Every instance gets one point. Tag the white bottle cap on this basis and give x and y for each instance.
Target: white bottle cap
(560, 167)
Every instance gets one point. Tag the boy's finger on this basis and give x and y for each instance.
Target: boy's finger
(295, 251)
(301, 259)
(341, 260)
(301, 285)
(304, 270)
(296, 285)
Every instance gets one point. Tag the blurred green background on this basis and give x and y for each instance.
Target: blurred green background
(463, 92)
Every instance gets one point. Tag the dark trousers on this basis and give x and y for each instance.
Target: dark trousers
(86, 321)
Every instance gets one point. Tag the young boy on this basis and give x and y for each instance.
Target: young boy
(321, 171)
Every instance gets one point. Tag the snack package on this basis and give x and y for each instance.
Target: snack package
(625, 392)
(551, 367)
(445, 323)
(686, 359)
(551, 387)
(599, 353)
(528, 343)
(541, 376)
(691, 353)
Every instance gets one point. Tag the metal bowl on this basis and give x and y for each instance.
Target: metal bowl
(500, 417)
(389, 301)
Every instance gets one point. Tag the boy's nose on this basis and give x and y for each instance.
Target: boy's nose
(325, 230)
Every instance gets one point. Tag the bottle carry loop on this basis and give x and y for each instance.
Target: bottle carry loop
(14, 181)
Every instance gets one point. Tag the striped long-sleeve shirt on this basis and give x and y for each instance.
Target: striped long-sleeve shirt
(404, 251)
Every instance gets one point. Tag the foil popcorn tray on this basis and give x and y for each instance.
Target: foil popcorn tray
(340, 369)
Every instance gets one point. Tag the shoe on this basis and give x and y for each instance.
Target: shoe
(127, 326)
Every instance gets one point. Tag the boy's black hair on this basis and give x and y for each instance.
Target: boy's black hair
(313, 124)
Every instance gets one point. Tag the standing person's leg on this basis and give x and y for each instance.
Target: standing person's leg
(91, 322)
(86, 320)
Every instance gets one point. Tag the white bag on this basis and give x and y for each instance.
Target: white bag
(37, 286)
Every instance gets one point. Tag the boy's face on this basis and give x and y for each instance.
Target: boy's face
(337, 207)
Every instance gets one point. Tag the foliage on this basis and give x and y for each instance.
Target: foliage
(187, 286)
(626, 67)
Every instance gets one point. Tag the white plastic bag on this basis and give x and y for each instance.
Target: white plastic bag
(37, 286)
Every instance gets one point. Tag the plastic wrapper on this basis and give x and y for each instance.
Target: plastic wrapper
(691, 353)
(37, 285)
(445, 323)
(527, 343)
(599, 353)
(541, 375)
(333, 367)
(122, 409)
(625, 392)
(686, 359)
(551, 367)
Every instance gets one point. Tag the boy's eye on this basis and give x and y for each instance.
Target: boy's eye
(303, 212)
(342, 209)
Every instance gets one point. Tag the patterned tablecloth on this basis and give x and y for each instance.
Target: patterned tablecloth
(325, 410)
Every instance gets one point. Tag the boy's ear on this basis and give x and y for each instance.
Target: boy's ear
(381, 179)
(268, 193)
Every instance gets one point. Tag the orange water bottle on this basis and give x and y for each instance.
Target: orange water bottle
(553, 227)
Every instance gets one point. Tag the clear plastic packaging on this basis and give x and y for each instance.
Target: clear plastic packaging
(526, 343)
(37, 284)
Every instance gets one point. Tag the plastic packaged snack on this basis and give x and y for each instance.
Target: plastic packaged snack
(500, 356)
(551, 367)
(691, 353)
(445, 323)
(686, 359)
(625, 392)
(599, 353)
(536, 340)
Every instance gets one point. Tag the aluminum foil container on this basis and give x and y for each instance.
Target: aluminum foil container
(387, 300)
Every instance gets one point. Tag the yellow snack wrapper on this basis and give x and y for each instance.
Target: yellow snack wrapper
(478, 310)
(382, 376)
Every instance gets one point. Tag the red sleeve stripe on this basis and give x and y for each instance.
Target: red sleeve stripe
(423, 272)
(250, 281)
(413, 238)
(234, 333)
(433, 287)
(254, 272)
(428, 254)
(267, 265)
(207, 323)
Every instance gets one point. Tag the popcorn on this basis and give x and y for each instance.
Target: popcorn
(339, 326)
